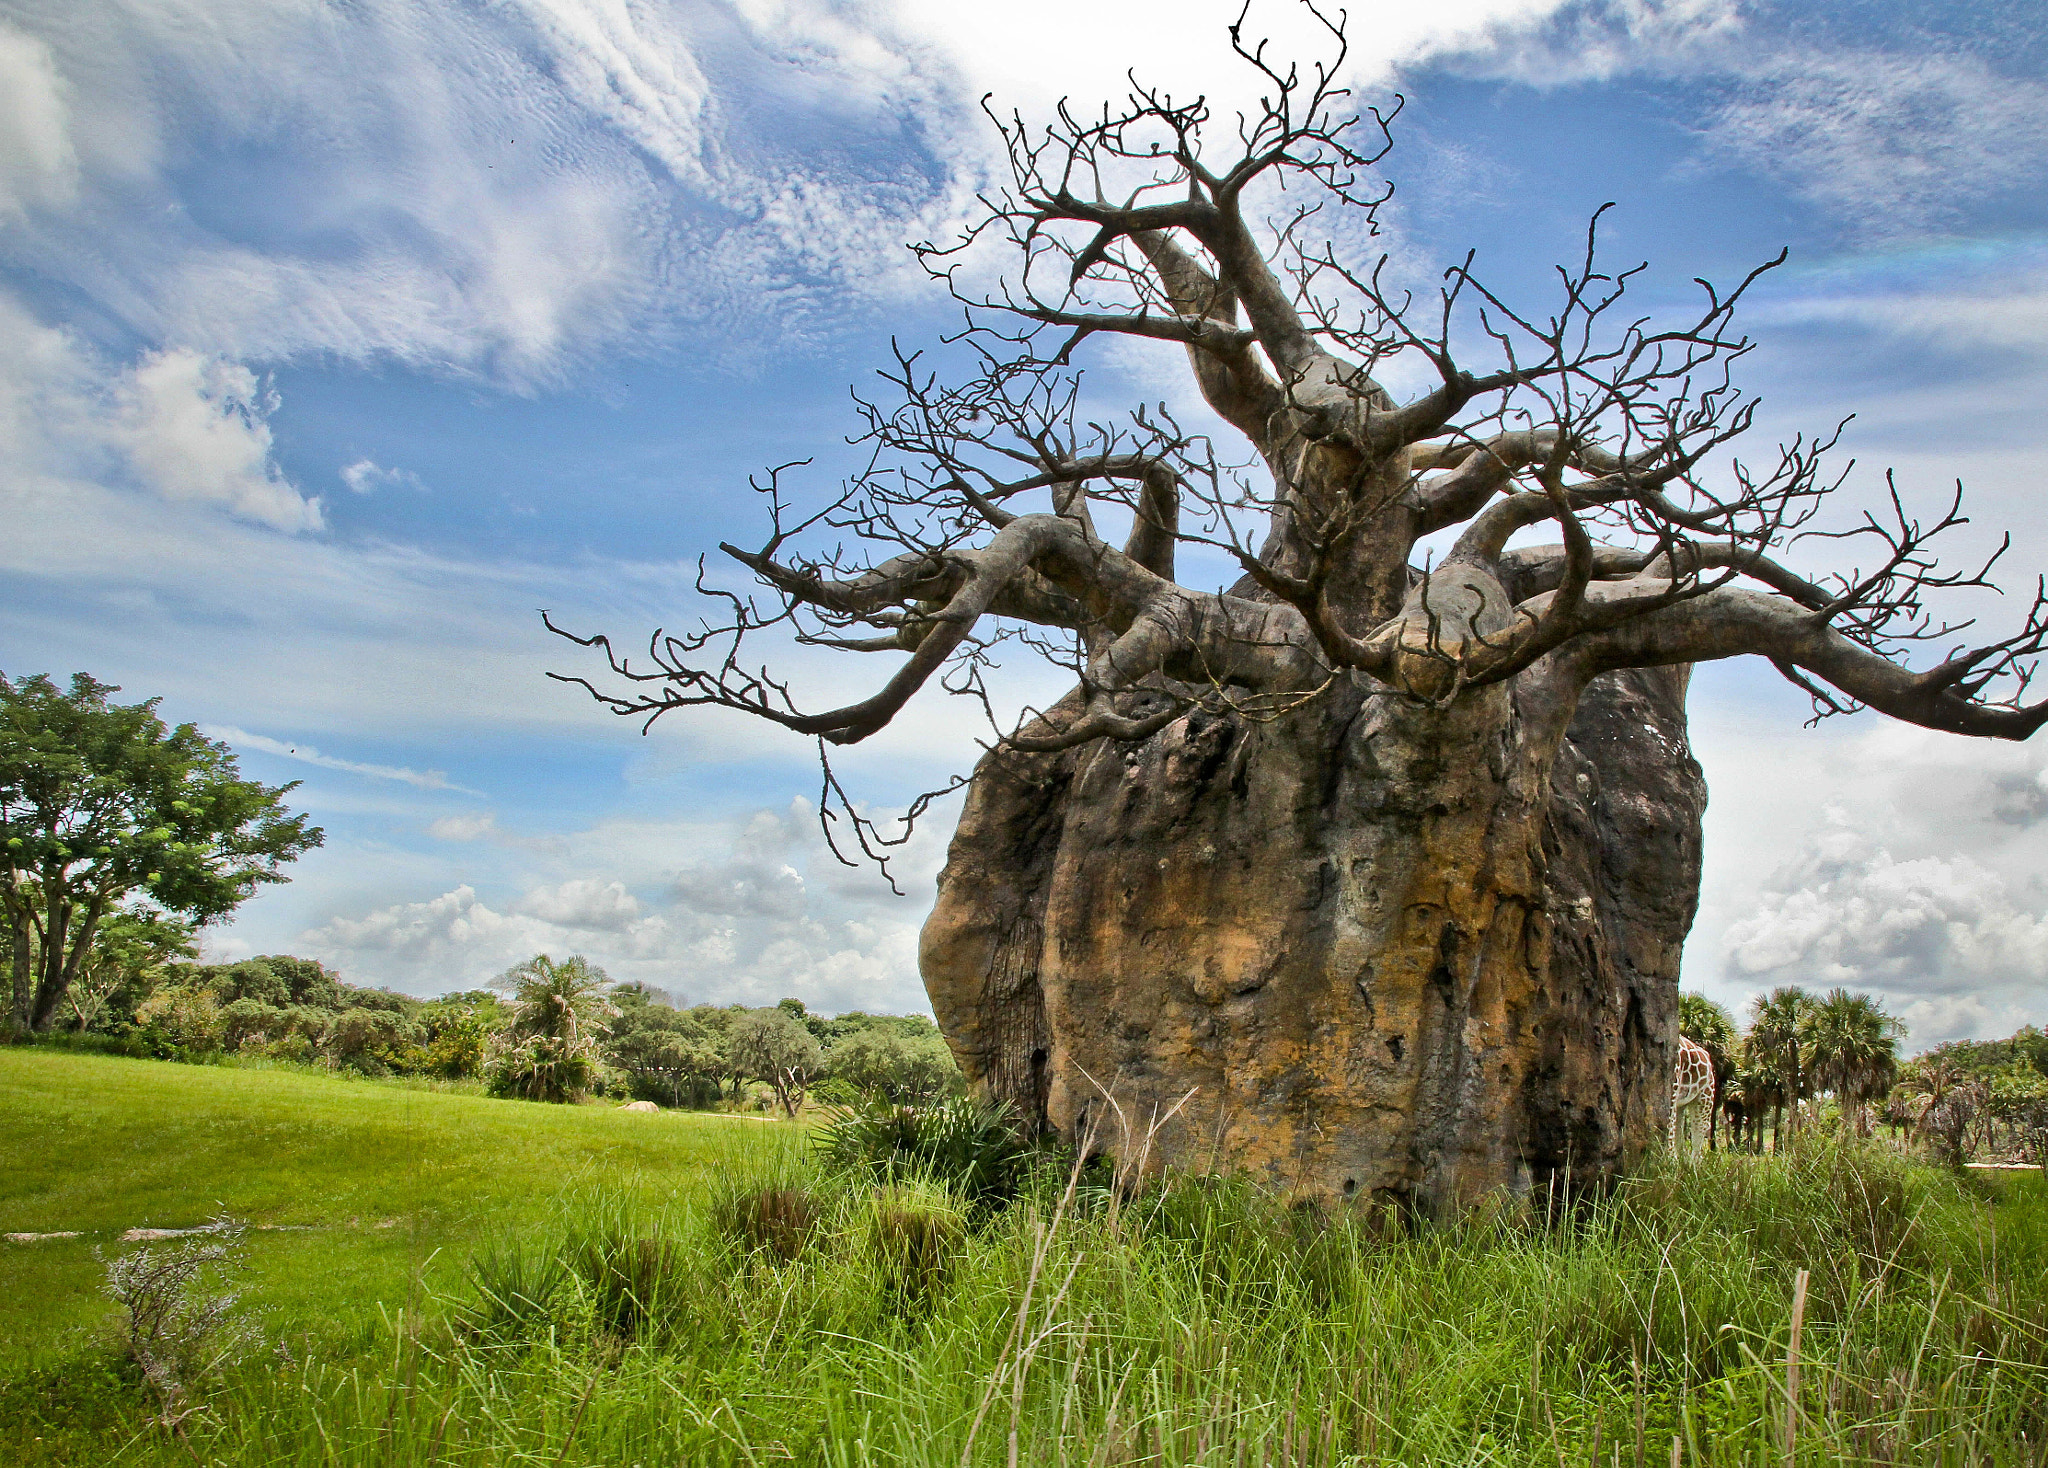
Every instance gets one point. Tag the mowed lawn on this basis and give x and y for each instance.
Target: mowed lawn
(368, 1195)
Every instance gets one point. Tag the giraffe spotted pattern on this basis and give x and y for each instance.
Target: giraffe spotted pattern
(1692, 1092)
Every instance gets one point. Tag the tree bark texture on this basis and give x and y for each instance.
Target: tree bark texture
(1386, 951)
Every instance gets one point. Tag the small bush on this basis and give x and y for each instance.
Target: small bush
(631, 1273)
(542, 1069)
(959, 1143)
(177, 1021)
(177, 1336)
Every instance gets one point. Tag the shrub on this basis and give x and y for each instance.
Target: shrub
(175, 1019)
(542, 1069)
(962, 1144)
(177, 1336)
(515, 1290)
(913, 1231)
(369, 1038)
(631, 1274)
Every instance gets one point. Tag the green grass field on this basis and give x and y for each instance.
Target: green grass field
(575, 1287)
(365, 1192)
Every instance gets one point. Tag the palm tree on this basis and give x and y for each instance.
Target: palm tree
(1852, 1049)
(1775, 1045)
(1708, 1026)
(558, 1015)
(1753, 1090)
(1943, 1099)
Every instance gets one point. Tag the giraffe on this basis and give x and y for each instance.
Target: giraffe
(1692, 1089)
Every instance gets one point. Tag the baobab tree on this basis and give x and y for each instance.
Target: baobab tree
(1376, 864)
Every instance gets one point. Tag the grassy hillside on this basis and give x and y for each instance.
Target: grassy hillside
(577, 1287)
(364, 1192)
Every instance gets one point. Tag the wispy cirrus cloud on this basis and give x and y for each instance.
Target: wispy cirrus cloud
(1885, 141)
(499, 191)
(306, 754)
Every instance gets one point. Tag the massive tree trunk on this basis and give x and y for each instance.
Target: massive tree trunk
(1392, 951)
(1371, 872)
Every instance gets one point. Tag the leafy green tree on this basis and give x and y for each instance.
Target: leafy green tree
(672, 1058)
(100, 801)
(898, 1065)
(1852, 1049)
(2018, 1101)
(130, 956)
(549, 1049)
(1944, 1099)
(773, 1046)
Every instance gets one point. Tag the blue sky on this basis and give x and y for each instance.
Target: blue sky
(335, 341)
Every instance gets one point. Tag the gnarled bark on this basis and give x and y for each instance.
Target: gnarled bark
(1389, 957)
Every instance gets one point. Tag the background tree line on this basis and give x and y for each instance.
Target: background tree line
(546, 1030)
(1964, 1100)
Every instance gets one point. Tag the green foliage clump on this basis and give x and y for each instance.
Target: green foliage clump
(102, 805)
(549, 1050)
(777, 1219)
(666, 1055)
(968, 1146)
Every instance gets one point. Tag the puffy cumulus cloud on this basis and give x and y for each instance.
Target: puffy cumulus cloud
(186, 427)
(196, 427)
(464, 827)
(454, 919)
(366, 476)
(583, 902)
(745, 927)
(756, 880)
(1945, 941)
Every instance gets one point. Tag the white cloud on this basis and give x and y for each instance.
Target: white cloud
(2005, 314)
(365, 476)
(1943, 940)
(197, 428)
(509, 190)
(501, 191)
(1885, 141)
(582, 902)
(1573, 43)
(306, 754)
(38, 166)
(464, 828)
(747, 927)
(190, 429)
